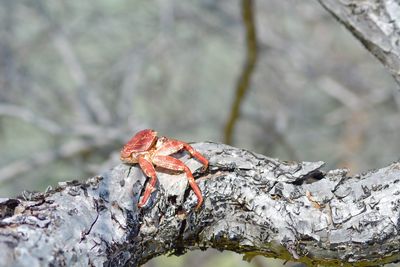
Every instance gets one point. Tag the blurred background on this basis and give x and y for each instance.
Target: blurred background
(78, 79)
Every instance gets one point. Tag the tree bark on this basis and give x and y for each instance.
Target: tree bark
(253, 205)
(376, 24)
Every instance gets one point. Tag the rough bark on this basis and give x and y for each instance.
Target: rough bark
(253, 205)
(376, 24)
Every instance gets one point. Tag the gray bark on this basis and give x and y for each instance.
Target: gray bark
(376, 24)
(253, 205)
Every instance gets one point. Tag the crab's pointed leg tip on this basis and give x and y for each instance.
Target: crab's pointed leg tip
(198, 206)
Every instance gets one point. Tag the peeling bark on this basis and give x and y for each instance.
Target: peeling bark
(376, 24)
(253, 205)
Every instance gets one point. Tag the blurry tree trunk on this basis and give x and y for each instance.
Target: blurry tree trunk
(253, 205)
(243, 83)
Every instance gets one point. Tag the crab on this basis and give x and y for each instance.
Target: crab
(149, 150)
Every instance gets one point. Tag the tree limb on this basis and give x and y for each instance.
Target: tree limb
(30, 117)
(376, 24)
(253, 205)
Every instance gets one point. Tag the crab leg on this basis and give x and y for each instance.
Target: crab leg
(196, 154)
(171, 163)
(149, 171)
(171, 146)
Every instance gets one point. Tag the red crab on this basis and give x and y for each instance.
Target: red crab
(148, 150)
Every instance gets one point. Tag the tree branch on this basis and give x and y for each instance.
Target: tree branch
(30, 117)
(253, 205)
(376, 24)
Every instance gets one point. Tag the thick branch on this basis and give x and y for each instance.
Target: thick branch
(252, 205)
(376, 24)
